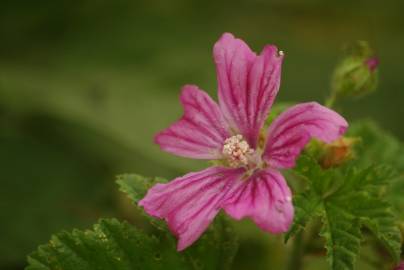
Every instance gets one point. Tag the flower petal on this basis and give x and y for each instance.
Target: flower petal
(247, 84)
(294, 128)
(265, 198)
(190, 203)
(201, 131)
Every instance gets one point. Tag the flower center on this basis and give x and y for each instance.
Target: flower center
(237, 151)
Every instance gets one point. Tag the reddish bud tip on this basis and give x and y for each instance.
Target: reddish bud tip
(372, 63)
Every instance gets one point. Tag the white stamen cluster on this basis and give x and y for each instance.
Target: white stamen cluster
(236, 150)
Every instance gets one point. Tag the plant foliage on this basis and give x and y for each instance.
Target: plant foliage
(119, 245)
(346, 200)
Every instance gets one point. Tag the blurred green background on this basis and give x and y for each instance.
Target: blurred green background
(84, 86)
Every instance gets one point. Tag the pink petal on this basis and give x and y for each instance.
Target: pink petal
(201, 131)
(190, 203)
(248, 84)
(294, 128)
(265, 198)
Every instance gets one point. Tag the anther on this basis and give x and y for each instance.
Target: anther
(236, 150)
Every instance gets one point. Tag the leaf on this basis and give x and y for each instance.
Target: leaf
(342, 235)
(136, 186)
(346, 200)
(114, 245)
(380, 220)
(109, 245)
(306, 207)
(217, 246)
(308, 204)
(380, 147)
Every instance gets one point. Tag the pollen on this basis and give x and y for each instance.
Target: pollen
(237, 151)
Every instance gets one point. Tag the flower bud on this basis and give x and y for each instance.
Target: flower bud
(357, 73)
(337, 152)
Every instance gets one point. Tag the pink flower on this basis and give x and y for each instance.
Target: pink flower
(250, 183)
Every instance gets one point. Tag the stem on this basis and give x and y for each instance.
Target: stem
(296, 258)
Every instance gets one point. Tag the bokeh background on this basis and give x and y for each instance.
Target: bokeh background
(84, 86)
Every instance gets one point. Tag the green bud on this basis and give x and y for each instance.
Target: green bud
(357, 73)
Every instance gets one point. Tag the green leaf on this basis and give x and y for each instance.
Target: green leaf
(109, 245)
(216, 248)
(136, 186)
(114, 245)
(380, 220)
(342, 235)
(307, 206)
(346, 200)
(380, 147)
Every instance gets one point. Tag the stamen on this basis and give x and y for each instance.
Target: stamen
(236, 150)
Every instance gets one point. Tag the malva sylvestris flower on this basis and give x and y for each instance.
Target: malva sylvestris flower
(250, 183)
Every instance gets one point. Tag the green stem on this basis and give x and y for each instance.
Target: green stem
(296, 257)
